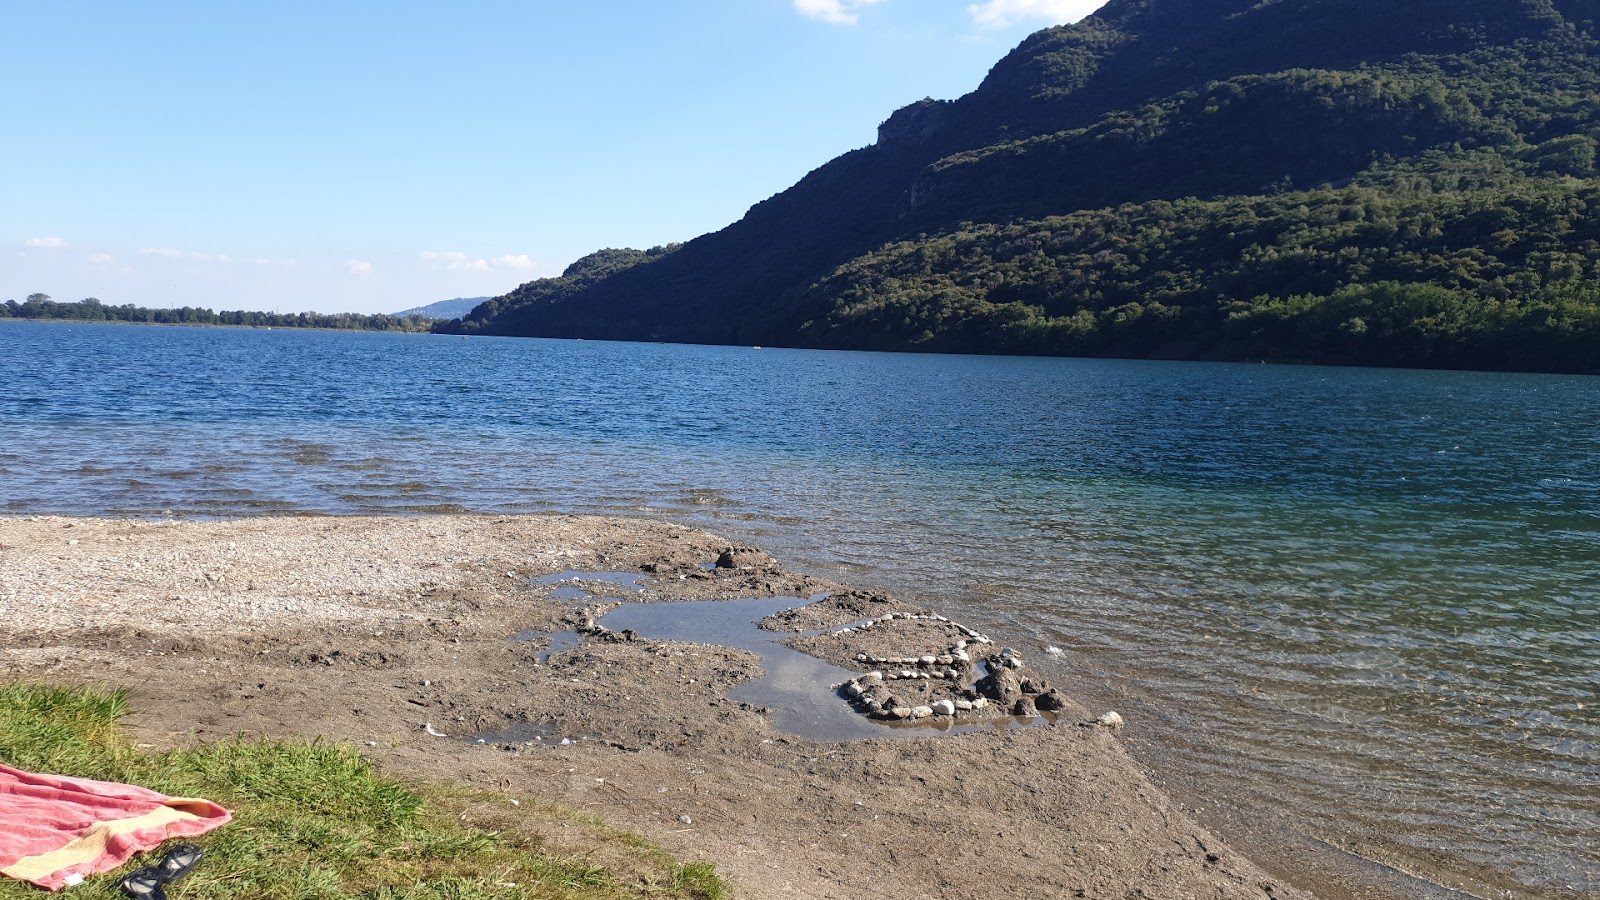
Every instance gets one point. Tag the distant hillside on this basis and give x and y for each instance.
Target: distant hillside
(1386, 182)
(444, 309)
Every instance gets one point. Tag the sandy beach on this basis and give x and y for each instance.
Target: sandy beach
(386, 633)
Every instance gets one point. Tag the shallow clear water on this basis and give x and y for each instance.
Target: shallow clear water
(1375, 592)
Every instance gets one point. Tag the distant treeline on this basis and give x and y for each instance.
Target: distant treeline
(40, 306)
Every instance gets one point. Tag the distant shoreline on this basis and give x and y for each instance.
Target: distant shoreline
(48, 321)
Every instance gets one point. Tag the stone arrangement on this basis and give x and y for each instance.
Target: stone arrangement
(999, 691)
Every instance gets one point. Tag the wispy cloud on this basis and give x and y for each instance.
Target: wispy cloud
(456, 261)
(358, 267)
(222, 258)
(102, 259)
(520, 261)
(45, 243)
(1006, 13)
(837, 12)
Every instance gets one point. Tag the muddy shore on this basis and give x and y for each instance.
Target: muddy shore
(401, 636)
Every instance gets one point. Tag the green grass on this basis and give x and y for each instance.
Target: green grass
(313, 821)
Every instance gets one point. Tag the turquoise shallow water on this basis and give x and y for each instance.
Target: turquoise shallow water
(1374, 593)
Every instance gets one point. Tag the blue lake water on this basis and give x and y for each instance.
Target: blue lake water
(1372, 595)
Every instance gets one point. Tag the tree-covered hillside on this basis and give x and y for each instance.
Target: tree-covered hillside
(1386, 182)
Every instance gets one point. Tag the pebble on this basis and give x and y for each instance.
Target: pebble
(685, 819)
(963, 705)
(1109, 720)
(944, 708)
(921, 712)
(901, 712)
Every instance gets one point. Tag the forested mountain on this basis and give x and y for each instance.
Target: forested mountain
(454, 308)
(1389, 182)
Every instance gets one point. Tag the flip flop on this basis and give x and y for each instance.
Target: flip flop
(180, 861)
(145, 883)
(150, 882)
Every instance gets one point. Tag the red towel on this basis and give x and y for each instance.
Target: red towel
(53, 827)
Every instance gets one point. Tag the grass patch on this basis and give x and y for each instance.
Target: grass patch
(313, 821)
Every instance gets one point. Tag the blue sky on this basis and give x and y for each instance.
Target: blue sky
(344, 156)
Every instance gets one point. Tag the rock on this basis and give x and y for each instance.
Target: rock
(684, 819)
(852, 690)
(901, 712)
(921, 712)
(963, 705)
(962, 655)
(1024, 707)
(1109, 720)
(1050, 701)
(928, 660)
(944, 708)
(1029, 686)
(739, 557)
(1000, 685)
(945, 660)
(980, 703)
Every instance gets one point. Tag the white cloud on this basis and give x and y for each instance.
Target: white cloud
(455, 261)
(838, 12)
(520, 261)
(45, 243)
(102, 259)
(1005, 13)
(358, 267)
(167, 252)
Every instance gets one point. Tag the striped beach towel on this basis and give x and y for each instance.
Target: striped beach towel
(54, 830)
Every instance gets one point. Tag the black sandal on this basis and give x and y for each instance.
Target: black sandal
(180, 861)
(150, 882)
(145, 883)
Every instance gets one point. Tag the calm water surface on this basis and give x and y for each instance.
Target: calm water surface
(1373, 594)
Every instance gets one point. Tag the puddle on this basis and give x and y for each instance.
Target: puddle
(525, 733)
(797, 688)
(608, 582)
(560, 641)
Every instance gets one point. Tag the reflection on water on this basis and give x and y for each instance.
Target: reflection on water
(1372, 592)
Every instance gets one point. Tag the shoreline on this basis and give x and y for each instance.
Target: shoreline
(380, 631)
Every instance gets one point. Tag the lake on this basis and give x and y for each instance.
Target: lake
(1372, 597)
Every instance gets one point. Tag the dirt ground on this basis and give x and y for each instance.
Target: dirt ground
(424, 642)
